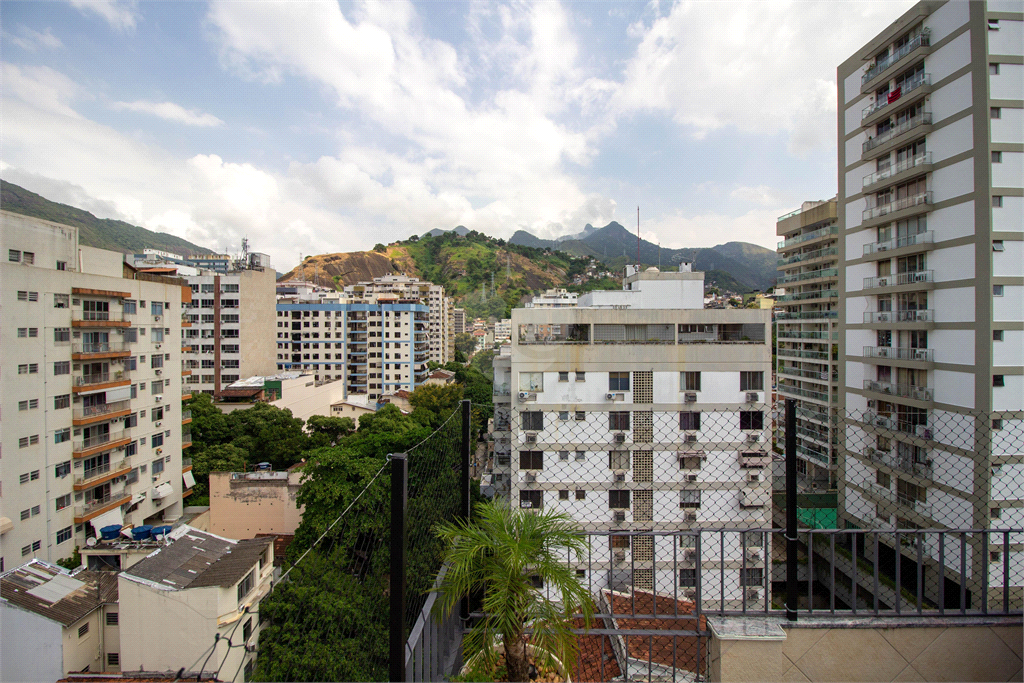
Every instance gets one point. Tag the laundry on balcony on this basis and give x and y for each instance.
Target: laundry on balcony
(895, 95)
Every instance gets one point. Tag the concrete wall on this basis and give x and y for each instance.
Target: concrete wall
(243, 505)
(305, 399)
(30, 649)
(936, 652)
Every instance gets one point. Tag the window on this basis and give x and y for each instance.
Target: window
(113, 658)
(533, 420)
(997, 424)
(692, 462)
(531, 460)
(690, 381)
(61, 301)
(531, 499)
(618, 420)
(531, 381)
(61, 334)
(563, 376)
(563, 455)
(246, 585)
(687, 577)
(157, 335)
(156, 414)
(883, 479)
(997, 245)
(156, 360)
(581, 455)
(156, 441)
(62, 502)
(157, 387)
(618, 541)
(14, 255)
(997, 290)
(752, 576)
(618, 381)
(62, 469)
(28, 258)
(752, 381)
(62, 435)
(689, 420)
(581, 376)
(753, 539)
(247, 629)
(64, 535)
(618, 460)
(998, 381)
(83, 629)
(993, 24)
(618, 500)
(563, 494)
(156, 307)
(751, 419)
(25, 514)
(995, 112)
(129, 306)
(62, 367)
(995, 513)
(62, 401)
(689, 499)
(581, 494)
(997, 157)
(997, 202)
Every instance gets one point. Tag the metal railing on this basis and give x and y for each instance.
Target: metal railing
(897, 168)
(99, 503)
(186, 462)
(794, 353)
(898, 279)
(806, 315)
(121, 465)
(926, 237)
(96, 316)
(923, 469)
(897, 205)
(807, 256)
(894, 96)
(815, 294)
(100, 409)
(917, 316)
(899, 353)
(100, 439)
(101, 347)
(825, 336)
(806, 393)
(922, 119)
(922, 431)
(808, 236)
(812, 275)
(102, 378)
(186, 415)
(921, 39)
(821, 376)
(901, 390)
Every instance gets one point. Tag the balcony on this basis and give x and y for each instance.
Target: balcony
(918, 316)
(921, 508)
(101, 442)
(921, 238)
(821, 457)
(922, 39)
(919, 85)
(805, 393)
(919, 163)
(811, 275)
(899, 208)
(99, 319)
(921, 431)
(503, 390)
(901, 390)
(808, 296)
(824, 336)
(98, 413)
(83, 513)
(186, 464)
(900, 279)
(186, 438)
(100, 350)
(186, 394)
(98, 380)
(903, 464)
(98, 475)
(809, 236)
(796, 353)
(899, 353)
(823, 376)
(806, 315)
(882, 492)
(186, 417)
(808, 256)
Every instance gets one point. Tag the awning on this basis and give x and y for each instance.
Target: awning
(109, 518)
(118, 394)
(162, 491)
(189, 480)
(137, 498)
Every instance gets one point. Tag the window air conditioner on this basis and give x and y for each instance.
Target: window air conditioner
(156, 318)
(527, 396)
(531, 438)
(691, 438)
(158, 398)
(620, 555)
(159, 372)
(619, 516)
(157, 424)
(753, 437)
(690, 517)
(690, 554)
(691, 478)
(753, 594)
(615, 397)
(159, 450)
(872, 403)
(753, 477)
(754, 554)
(620, 438)
(871, 453)
(620, 477)
(530, 477)
(526, 503)
(690, 397)
(751, 397)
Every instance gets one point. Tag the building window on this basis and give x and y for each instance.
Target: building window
(156, 441)
(62, 401)
(752, 381)
(563, 494)
(618, 460)
(28, 258)
(156, 307)
(689, 498)
(531, 381)
(63, 501)
(62, 469)
(687, 577)
(689, 381)
(247, 629)
(581, 416)
(618, 500)
(64, 535)
(993, 69)
(997, 157)
(531, 499)
(998, 381)
(83, 629)
(692, 462)
(997, 424)
(995, 112)
(62, 435)
(997, 202)
(752, 576)
(997, 290)
(581, 376)
(563, 376)
(246, 585)
(61, 301)
(62, 367)
(689, 421)
(618, 381)
(531, 460)
(618, 421)
(61, 334)
(14, 255)
(581, 494)
(751, 419)
(998, 245)
(533, 420)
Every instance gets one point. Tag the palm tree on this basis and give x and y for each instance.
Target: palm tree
(502, 552)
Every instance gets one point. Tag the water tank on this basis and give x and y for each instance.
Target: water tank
(141, 533)
(158, 531)
(109, 533)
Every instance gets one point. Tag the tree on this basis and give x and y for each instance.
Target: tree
(379, 248)
(439, 399)
(460, 357)
(501, 553)
(219, 458)
(268, 434)
(465, 342)
(326, 431)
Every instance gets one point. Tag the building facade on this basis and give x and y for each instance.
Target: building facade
(554, 298)
(808, 340)
(930, 212)
(439, 320)
(93, 426)
(632, 416)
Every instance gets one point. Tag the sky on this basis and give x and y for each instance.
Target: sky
(322, 127)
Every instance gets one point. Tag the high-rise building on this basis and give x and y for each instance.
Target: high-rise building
(458, 321)
(808, 342)
(404, 287)
(92, 426)
(930, 212)
(636, 410)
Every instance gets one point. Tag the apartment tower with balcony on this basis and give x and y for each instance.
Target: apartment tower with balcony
(639, 410)
(930, 212)
(807, 336)
(93, 426)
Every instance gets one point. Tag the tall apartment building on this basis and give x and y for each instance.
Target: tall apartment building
(808, 340)
(640, 410)
(403, 287)
(930, 212)
(458, 321)
(553, 298)
(92, 426)
(376, 345)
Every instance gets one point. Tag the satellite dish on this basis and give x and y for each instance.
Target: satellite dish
(90, 541)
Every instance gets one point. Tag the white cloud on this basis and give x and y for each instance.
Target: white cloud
(170, 112)
(121, 16)
(676, 231)
(41, 86)
(30, 40)
(761, 195)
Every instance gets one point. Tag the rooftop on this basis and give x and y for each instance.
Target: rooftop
(55, 593)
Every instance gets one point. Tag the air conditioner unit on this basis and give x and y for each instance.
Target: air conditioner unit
(527, 396)
(690, 517)
(690, 593)
(620, 438)
(159, 450)
(158, 398)
(753, 594)
(157, 424)
(751, 397)
(690, 554)
(754, 554)
(159, 372)
(871, 453)
(526, 503)
(615, 397)
(753, 437)
(620, 477)
(531, 438)
(690, 397)
(530, 477)
(691, 438)
(883, 317)
(619, 517)
(691, 478)
(250, 648)
(620, 555)
(753, 477)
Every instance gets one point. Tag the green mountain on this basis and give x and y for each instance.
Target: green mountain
(102, 233)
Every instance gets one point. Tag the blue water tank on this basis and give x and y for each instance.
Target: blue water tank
(109, 533)
(141, 533)
(161, 531)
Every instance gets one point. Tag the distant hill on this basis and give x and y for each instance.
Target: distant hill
(102, 233)
(739, 266)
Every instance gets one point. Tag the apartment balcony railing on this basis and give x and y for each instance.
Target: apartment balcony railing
(926, 237)
(883, 492)
(809, 374)
(101, 409)
(813, 454)
(185, 391)
(901, 390)
(806, 393)
(922, 39)
(922, 431)
(816, 415)
(501, 391)
(903, 464)
(896, 95)
(109, 501)
(806, 315)
(917, 316)
(900, 167)
(812, 275)
(791, 334)
(186, 437)
(97, 316)
(186, 415)
(897, 205)
(899, 353)
(899, 279)
(917, 506)
(186, 462)
(796, 353)
(922, 119)
(102, 347)
(808, 236)
(102, 378)
(107, 470)
(100, 439)
(804, 296)
(808, 256)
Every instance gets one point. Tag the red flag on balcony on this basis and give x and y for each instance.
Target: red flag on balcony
(895, 95)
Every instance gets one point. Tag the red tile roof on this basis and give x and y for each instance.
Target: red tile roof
(681, 652)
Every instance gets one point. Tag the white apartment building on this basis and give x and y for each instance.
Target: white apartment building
(440, 320)
(808, 340)
(554, 298)
(638, 410)
(931, 322)
(503, 330)
(174, 602)
(92, 427)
